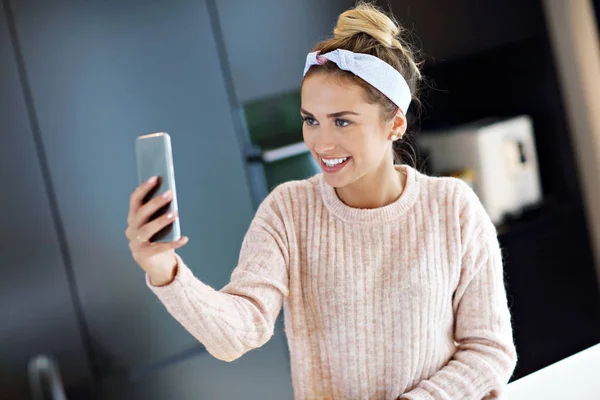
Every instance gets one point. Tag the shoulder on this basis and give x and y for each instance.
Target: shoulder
(459, 198)
(296, 191)
(443, 189)
(294, 188)
(287, 198)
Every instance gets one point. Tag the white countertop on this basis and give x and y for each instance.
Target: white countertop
(576, 377)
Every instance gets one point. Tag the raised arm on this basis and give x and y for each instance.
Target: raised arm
(241, 316)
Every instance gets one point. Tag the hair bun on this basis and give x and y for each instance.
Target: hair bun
(367, 19)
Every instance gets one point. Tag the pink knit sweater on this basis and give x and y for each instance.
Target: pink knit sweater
(404, 301)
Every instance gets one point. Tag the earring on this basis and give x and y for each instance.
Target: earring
(393, 138)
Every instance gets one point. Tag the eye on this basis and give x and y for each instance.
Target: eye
(342, 122)
(309, 121)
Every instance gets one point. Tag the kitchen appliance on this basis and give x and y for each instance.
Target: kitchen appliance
(501, 155)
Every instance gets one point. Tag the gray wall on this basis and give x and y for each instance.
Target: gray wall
(266, 41)
(102, 73)
(36, 307)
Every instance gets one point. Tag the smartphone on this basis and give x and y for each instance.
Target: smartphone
(154, 158)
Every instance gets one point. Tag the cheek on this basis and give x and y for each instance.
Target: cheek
(308, 138)
(366, 145)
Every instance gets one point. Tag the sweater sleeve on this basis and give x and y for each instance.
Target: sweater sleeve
(486, 356)
(241, 316)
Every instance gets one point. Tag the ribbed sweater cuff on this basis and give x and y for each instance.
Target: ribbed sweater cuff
(417, 394)
(175, 288)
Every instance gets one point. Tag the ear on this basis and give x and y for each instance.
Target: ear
(398, 126)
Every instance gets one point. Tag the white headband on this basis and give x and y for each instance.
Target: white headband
(373, 70)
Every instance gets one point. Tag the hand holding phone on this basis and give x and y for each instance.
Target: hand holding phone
(153, 224)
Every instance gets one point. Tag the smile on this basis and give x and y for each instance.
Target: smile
(334, 164)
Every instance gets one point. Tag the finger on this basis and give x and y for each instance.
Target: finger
(160, 247)
(135, 239)
(148, 249)
(147, 210)
(151, 228)
(129, 233)
(137, 244)
(135, 200)
(148, 229)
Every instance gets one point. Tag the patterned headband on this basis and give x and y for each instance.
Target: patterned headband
(371, 69)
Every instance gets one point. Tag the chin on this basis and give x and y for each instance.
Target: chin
(337, 181)
(341, 178)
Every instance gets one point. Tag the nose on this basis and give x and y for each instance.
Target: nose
(324, 142)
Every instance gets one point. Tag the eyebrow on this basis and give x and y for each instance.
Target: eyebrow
(334, 115)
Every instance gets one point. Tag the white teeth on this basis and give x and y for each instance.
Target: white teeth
(334, 162)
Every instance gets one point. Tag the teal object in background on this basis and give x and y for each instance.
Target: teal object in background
(275, 121)
(297, 167)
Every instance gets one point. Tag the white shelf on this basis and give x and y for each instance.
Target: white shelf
(575, 377)
(285, 152)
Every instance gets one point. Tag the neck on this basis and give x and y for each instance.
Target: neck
(375, 189)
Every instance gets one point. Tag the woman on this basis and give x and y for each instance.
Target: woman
(391, 281)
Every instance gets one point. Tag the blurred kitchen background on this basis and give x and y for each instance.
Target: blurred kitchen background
(80, 80)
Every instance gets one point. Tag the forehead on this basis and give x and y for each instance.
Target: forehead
(326, 93)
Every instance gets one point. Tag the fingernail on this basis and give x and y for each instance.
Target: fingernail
(169, 215)
(151, 180)
(166, 194)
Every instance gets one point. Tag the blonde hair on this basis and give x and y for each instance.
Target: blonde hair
(367, 29)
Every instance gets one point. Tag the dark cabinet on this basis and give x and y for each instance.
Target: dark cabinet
(551, 287)
(102, 73)
(266, 41)
(450, 29)
(36, 306)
